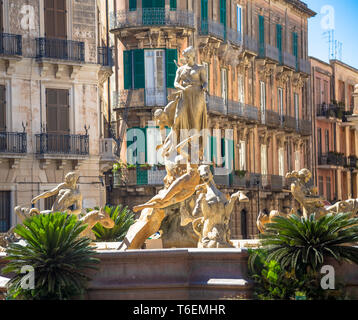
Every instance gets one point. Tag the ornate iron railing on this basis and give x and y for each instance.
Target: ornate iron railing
(105, 56)
(10, 44)
(304, 66)
(216, 104)
(289, 60)
(270, 52)
(272, 118)
(53, 143)
(60, 49)
(250, 44)
(13, 142)
(289, 122)
(305, 127)
(211, 28)
(234, 37)
(151, 17)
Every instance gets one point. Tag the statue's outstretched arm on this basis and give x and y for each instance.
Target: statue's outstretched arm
(47, 194)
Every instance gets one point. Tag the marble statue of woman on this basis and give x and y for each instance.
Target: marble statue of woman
(191, 110)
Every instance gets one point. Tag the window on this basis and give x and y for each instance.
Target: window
(241, 89)
(319, 141)
(263, 101)
(4, 211)
(1, 17)
(328, 188)
(264, 164)
(279, 40)
(261, 35)
(55, 19)
(48, 202)
(281, 162)
(204, 16)
(2, 109)
(242, 155)
(223, 12)
(318, 92)
(325, 92)
(326, 135)
(206, 66)
(295, 44)
(297, 112)
(320, 185)
(132, 5)
(297, 161)
(154, 77)
(280, 102)
(57, 120)
(239, 18)
(224, 85)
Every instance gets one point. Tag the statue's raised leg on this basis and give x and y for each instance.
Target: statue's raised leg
(148, 223)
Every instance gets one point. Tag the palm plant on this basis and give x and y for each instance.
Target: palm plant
(302, 245)
(59, 257)
(123, 219)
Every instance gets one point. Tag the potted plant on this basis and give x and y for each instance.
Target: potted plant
(145, 166)
(240, 173)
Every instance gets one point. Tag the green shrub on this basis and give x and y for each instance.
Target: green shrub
(59, 257)
(293, 251)
(123, 219)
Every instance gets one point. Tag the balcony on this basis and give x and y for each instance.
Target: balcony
(10, 44)
(242, 110)
(332, 159)
(140, 176)
(13, 143)
(234, 37)
(272, 118)
(241, 181)
(155, 97)
(289, 60)
(333, 111)
(59, 49)
(105, 56)
(305, 127)
(352, 162)
(211, 28)
(289, 122)
(304, 66)
(216, 105)
(250, 44)
(269, 52)
(148, 17)
(62, 144)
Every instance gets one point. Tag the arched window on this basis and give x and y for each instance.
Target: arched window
(243, 223)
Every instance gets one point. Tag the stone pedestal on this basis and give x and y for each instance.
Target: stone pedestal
(167, 274)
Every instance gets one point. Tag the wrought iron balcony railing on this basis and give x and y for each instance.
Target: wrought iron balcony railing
(250, 44)
(289, 122)
(216, 104)
(212, 28)
(272, 118)
(268, 51)
(305, 127)
(333, 111)
(304, 66)
(151, 17)
(105, 56)
(332, 158)
(289, 60)
(60, 49)
(352, 162)
(155, 97)
(10, 44)
(66, 144)
(108, 148)
(13, 142)
(234, 37)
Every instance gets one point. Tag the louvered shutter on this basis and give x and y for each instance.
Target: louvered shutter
(55, 19)
(2, 109)
(139, 73)
(171, 55)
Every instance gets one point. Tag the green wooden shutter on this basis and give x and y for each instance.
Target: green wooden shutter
(279, 40)
(127, 69)
(204, 16)
(213, 150)
(262, 35)
(139, 71)
(223, 15)
(132, 5)
(171, 68)
(295, 46)
(173, 4)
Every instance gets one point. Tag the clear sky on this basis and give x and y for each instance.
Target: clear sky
(344, 24)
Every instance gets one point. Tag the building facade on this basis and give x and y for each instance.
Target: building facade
(336, 136)
(256, 56)
(54, 69)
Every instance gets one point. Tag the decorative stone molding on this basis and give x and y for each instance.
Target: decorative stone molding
(297, 81)
(265, 69)
(74, 70)
(282, 76)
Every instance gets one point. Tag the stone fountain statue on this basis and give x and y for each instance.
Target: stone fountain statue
(187, 179)
(307, 197)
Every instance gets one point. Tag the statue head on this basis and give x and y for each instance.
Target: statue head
(71, 178)
(305, 175)
(189, 54)
(161, 117)
(205, 173)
